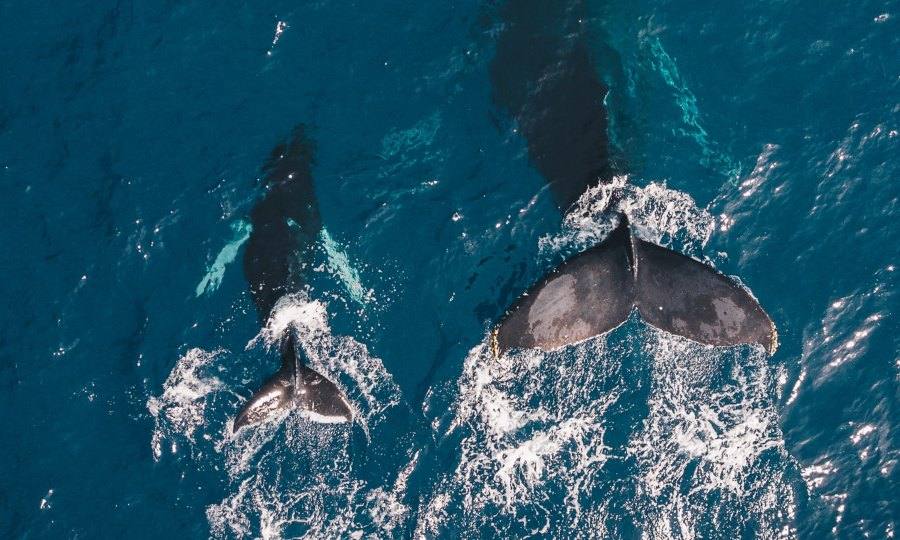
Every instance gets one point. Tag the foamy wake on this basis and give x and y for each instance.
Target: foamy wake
(530, 432)
(710, 452)
(650, 434)
(308, 486)
(657, 213)
(180, 411)
(290, 477)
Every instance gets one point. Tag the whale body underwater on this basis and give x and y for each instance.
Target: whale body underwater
(286, 223)
(544, 77)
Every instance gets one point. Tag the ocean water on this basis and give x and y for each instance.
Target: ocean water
(761, 137)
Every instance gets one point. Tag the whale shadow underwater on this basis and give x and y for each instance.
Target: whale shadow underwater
(543, 77)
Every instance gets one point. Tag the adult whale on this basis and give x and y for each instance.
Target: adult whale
(286, 223)
(543, 76)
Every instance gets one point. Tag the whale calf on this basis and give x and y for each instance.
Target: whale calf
(543, 76)
(286, 223)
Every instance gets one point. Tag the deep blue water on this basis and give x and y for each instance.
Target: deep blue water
(760, 136)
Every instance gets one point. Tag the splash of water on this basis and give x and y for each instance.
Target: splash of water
(710, 451)
(180, 410)
(654, 434)
(657, 213)
(530, 425)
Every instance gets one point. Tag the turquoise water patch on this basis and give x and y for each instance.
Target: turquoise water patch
(405, 149)
(226, 256)
(686, 101)
(339, 264)
(421, 134)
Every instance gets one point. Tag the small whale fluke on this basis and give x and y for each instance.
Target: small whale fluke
(595, 291)
(295, 386)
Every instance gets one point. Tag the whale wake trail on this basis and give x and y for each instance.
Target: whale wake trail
(641, 431)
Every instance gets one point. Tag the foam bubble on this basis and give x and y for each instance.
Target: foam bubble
(657, 213)
(180, 410)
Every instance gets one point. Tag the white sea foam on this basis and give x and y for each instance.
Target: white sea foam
(520, 441)
(656, 433)
(711, 452)
(180, 410)
(302, 485)
(308, 317)
(386, 506)
(657, 213)
(308, 487)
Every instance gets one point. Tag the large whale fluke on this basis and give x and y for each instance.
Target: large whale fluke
(295, 386)
(686, 297)
(595, 291)
(586, 295)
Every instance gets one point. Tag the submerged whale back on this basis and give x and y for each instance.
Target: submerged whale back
(543, 76)
(285, 224)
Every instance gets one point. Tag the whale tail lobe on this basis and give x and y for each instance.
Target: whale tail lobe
(595, 291)
(295, 386)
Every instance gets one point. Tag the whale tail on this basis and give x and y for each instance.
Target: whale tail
(295, 385)
(595, 291)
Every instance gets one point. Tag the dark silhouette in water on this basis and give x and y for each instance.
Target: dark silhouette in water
(543, 76)
(285, 225)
